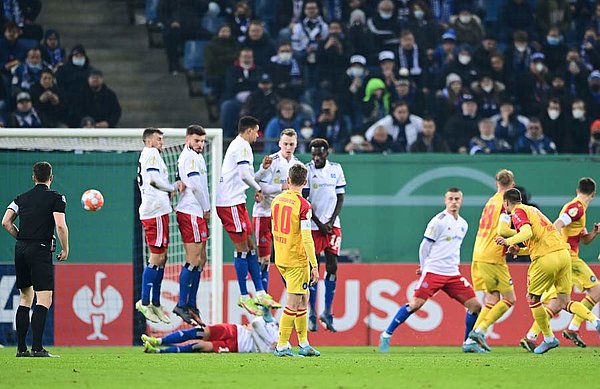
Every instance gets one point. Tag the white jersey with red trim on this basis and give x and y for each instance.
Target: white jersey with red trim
(446, 235)
(155, 202)
(324, 185)
(270, 181)
(244, 340)
(192, 171)
(231, 189)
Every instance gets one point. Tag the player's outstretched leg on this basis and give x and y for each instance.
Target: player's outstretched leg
(146, 311)
(574, 337)
(403, 313)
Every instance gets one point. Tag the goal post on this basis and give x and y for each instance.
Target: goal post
(44, 142)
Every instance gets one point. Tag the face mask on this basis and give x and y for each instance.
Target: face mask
(306, 132)
(285, 57)
(464, 59)
(487, 88)
(578, 113)
(553, 40)
(386, 15)
(356, 72)
(419, 14)
(78, 61)
(539, 67)
(464, 19)
(521, 48)
(553, 114)
(37, 66)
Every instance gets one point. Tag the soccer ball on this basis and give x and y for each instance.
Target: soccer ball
(92, 200)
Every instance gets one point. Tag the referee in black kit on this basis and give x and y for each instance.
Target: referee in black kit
(39, 210)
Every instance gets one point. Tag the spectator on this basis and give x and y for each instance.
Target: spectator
(358, 144)
(286, 73)
(405, 90)
(307, 33)
(49, 101)
(382, 142)
(262, 102)
(428, 141)
(462, 126)
(467, 27)
(554, 49)
(12, 49)
(486, 142)
(286, 118)
(591, 95)
(575, 75)
(260, 43)
(355, 81)
(401, 125)
(519, 54)
(360, 37)
(509, 125)
(71, 78)
(25, 116)
(443, 55)
(411, 57)
(488, 94)
(376, 102)
(499, 72)
(558, 89)
(306, 133)
(384, 27)
(240, 81)
(52, 53)
(464, 67)
(516, 15)
(332, 60)
(577, 137)
(24, 13)
(595, 137)
(534, 141)
(484, 51)
(97, 101)
(425, 28)
(333, 125)
(554, 120)
(549, 13)
(26, 74)
(449, 99)
(590, 49)
(240, 20)
(595, 20)
(534, 87)
(219, 54)
(387, 68)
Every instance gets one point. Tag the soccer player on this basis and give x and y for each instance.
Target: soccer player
(272, 178)
(255, 337)
(156, 190)
(193, 215)
(550, 265)
(325, 191)
(237, 175)
(296, 260)
(489, 271)
(439, 257)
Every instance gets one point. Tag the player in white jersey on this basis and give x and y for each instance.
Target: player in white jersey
(325, 191)
(272, 178)
(193, 215)
(439, 257)
(256, 337)
(156, 190)
(237, 175)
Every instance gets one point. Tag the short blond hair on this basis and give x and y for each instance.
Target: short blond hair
(505, 178)
(288, 132)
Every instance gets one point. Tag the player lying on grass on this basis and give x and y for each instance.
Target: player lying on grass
(255, 337)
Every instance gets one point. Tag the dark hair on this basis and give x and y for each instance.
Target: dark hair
(429, 119)
(42, 171)
(247, 122)
(148, 132)
(586, 186)
(319, 143)
(454, 189)
(399, 103)
(513, 196)
(297, 174)
(195, 129)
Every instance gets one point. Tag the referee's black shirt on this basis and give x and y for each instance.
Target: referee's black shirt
(35, 209)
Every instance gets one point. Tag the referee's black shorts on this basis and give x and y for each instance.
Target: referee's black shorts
(33, 265)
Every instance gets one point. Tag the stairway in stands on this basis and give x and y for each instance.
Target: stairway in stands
(148, 94)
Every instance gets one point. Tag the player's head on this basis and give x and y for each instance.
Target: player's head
(297, 175)
(288, 140)
(586, 186)
(319, 149)
(505, 179)
(42, 172)
(195, 136)
(248, 128)
(453, 200)
(511, 198)
(153, 137)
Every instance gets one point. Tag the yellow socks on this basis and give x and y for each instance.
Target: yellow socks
(496, 313)
(577, 308)
(301, 324)
(540, 316)
(286, 324)
(483, 314)
(587, 302)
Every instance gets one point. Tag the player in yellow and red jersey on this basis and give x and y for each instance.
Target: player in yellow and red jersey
(295, 258)
(550, 264)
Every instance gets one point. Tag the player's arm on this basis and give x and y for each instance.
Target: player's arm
(504, 229)
(307, 241)
(199, 190)
(264, 168)
(158, 182)
(340, 190)
(525, 232)
(8, 220)
(424, 250)
(63, 234)
(588, 237)
(247, 175)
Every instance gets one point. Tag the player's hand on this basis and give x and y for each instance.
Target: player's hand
(259, 197)
(63, 255)
(597, 228)
(323, 228)
(513, 249)
(419, 272)
(180, 186)
(267, 161)
(500, 241)
(207, 216)
(172, 195)
(314, 276)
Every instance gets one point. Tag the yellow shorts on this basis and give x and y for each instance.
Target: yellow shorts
(491, 277)
(552, 269)
(583, 278)
(296, 278)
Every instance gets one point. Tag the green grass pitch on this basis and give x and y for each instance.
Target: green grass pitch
(338, 367)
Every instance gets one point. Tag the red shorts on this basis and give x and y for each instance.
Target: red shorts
(264, 237)
(329, 243)
(193, 229)
(157, 233)
(457, 287)
(223, 337)
(236, 222)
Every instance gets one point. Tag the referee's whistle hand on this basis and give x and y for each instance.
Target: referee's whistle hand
(62, 256)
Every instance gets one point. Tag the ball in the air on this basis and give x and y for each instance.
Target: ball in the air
(92, 200)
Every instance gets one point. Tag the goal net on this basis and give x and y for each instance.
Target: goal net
(106, 159)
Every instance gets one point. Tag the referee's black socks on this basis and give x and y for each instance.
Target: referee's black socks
(22, 324)
(38, 322)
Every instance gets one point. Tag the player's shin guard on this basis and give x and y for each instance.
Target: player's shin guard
(541, 318)
(264, 275)
(470, 320)
(401, 316)
(185, 284)
(587, 302)
(156, 286)
(183, 336)
(496, 313)
(577, 308)
(196, 275)
(482, 315)
(301, 325)
(38, 322)
(188, 348)
(312, 298)
(254, 268)
(286, 324)
(22, 324)
(148, 278)
(240, 263)
(330, 284)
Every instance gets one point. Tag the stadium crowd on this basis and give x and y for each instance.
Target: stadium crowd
(40, 85)
(466, 76)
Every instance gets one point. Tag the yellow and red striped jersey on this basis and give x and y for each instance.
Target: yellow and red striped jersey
(545, 238)
(485, 249)
(573, 216)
